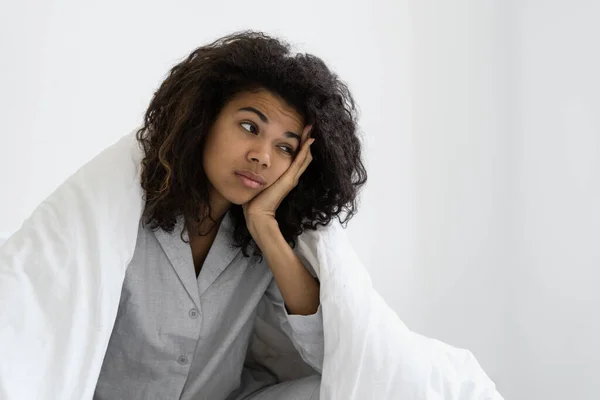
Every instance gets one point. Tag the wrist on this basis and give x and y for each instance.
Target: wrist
(261, 226)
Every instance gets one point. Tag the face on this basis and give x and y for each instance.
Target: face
(255, 133)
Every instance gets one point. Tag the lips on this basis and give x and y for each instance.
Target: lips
(252, 176)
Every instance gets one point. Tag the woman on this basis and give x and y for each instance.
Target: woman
(246, 146)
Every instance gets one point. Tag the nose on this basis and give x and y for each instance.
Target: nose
(260, 156)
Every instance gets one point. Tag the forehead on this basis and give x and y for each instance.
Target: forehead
(273, 106)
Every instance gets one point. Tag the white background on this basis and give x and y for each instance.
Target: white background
(480, 223)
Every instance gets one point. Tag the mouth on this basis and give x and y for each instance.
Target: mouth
(250, 179)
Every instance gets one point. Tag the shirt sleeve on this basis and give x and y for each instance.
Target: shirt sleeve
(305, 331)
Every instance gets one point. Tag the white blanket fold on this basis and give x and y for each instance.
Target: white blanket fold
(60, 282)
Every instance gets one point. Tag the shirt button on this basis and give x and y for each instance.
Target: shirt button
(182, 360)
(193, 313)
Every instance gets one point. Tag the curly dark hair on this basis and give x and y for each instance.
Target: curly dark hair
(188, 102)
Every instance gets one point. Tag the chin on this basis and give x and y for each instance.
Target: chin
(239, 198)
(237, 202)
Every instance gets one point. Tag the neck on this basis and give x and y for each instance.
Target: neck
(219, 207)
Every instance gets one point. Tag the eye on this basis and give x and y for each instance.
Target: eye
(249, 127)
(287, 149)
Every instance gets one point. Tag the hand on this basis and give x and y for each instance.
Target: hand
(266, 203)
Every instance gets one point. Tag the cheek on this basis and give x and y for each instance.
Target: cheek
(217, 149)
(213, 161)
(280, 168)
(207, 156)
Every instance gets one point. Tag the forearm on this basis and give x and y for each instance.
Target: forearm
(300, 290)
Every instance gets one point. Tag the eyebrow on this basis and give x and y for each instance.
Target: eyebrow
(265, 120)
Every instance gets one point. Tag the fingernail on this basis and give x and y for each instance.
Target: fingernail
(311, 141)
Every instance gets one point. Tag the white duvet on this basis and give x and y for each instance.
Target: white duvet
(60, 282)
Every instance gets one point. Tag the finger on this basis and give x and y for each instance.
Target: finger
(306, 133)
(304, 167)
(300, 163)
(304, 148)
(301, 156)
(305, 152)
(307, 160)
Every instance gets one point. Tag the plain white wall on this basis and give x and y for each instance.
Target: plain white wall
(507, 183)
(462, 150)
(557, 214)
